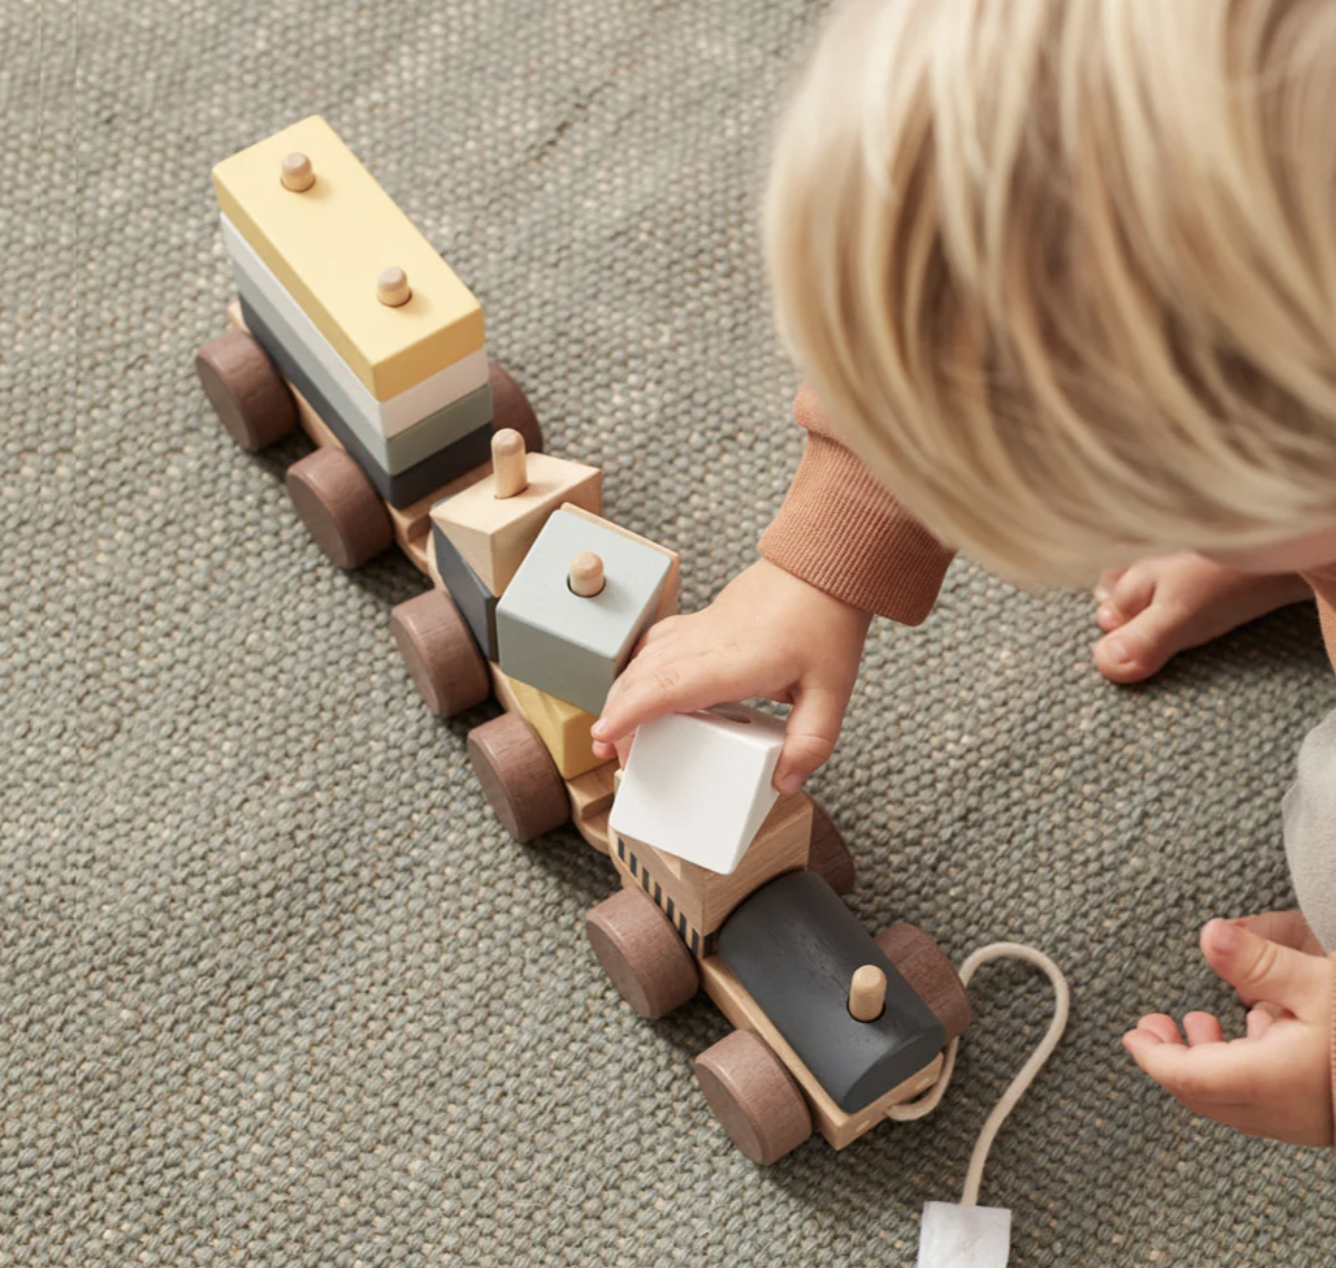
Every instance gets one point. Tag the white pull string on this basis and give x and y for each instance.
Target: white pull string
(932, 1098)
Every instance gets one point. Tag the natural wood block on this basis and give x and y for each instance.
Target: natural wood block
(493, 534)
(595, 832)
(781, 845)
(591, 793)
(329, 244)
(637, 873)
(837, 1126)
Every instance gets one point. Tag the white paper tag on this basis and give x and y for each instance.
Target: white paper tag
(964, 1236)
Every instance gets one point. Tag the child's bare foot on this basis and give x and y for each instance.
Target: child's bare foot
(1160, 607)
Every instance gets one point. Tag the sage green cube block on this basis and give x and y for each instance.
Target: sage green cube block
(567, 645)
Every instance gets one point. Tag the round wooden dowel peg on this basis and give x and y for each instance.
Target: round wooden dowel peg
(867, 993)
(297, 174)
(586, 575)
(510, 467)
(392, 288)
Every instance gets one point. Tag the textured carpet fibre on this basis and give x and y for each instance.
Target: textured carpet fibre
(274, 986)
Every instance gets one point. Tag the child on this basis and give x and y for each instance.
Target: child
(1064, 271)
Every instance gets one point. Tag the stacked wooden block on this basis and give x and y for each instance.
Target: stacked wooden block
(696, 819)
(554, 594)
(357, 310)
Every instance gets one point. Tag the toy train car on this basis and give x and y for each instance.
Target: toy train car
(350, 324)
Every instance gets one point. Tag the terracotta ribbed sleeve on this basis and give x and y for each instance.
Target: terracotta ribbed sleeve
(841, 531)
(1324, 586)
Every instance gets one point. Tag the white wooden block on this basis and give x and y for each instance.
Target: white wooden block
(964, 1236)
(390, 417)
(697, 785)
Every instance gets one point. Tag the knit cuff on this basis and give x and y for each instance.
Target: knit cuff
(840, 530)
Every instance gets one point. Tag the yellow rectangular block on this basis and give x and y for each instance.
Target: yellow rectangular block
(561, 726)
(328, 245)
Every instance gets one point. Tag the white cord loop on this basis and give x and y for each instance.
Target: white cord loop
(932, 1098)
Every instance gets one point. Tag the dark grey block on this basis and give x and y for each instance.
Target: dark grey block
(409, 485)
(474, 600)
(794, 946)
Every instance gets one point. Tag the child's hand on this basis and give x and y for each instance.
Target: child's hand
(767, 634)
(1276, 1081)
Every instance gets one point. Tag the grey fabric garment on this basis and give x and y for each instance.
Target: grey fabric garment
(276, 990)
(1310, 831)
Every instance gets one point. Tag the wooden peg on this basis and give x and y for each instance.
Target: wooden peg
(297, 173)
(392, 288)
(586, 575)
(509, 463)
(867, 993)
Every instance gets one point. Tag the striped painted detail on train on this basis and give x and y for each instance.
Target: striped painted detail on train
(699, 946)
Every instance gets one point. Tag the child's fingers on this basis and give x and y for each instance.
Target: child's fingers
(647, 691)
(1162, 1027)
(812, 729)
(1202, 1028)
(1258, 1022)
(1260, 969)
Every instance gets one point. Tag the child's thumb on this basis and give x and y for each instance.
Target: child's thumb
(1263, 970)
(811, 732)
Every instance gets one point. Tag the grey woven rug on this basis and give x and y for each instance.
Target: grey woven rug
(275, 989)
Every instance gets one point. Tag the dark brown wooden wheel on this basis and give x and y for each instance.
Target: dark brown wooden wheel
(340, 509)
(438, 648)
(511, 408)
(754, 1097)
(924, 965)
(248, 393)
(518, 777)
(829, 856)
(640, 951)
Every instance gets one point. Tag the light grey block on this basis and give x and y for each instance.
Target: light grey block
(562, 643)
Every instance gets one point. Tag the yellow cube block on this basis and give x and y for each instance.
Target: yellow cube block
(561, 726)
(328, 245)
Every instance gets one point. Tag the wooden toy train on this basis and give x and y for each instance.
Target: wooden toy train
(350, 324)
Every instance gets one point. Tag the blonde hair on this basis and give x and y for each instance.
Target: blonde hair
(1065, 272)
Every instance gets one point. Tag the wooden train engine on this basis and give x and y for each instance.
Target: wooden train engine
(351, 324)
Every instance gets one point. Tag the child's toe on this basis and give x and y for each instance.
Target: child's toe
(1136, 650)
